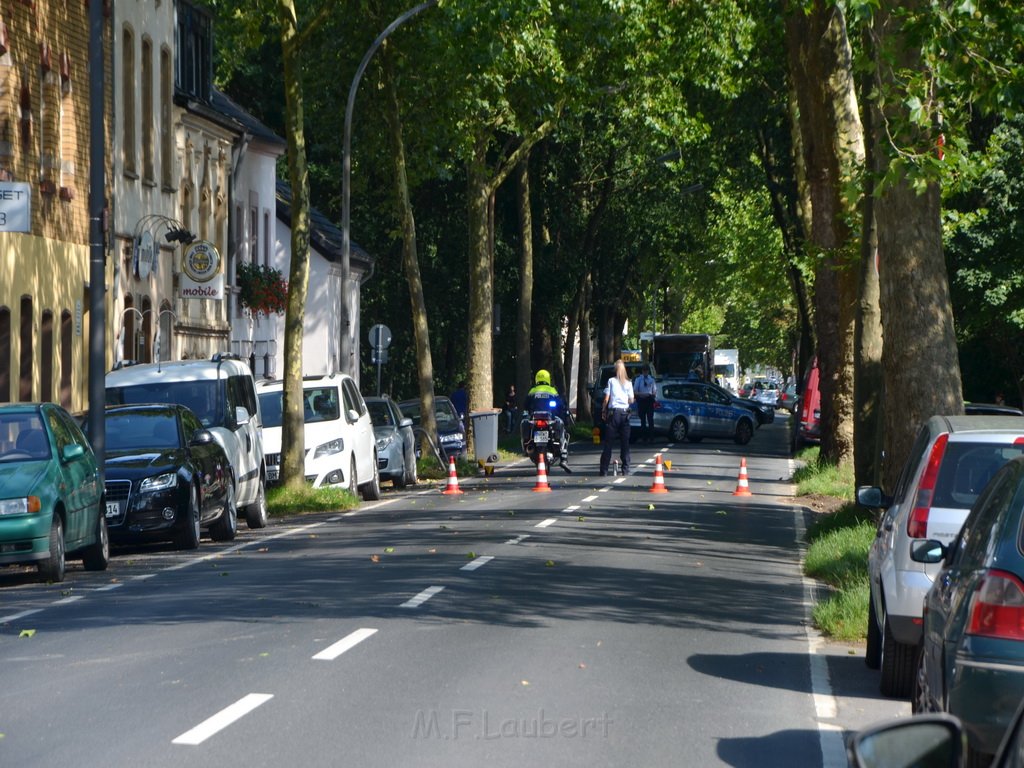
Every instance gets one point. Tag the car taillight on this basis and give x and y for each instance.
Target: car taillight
(997, 607)
(917, 523)
(542, 423)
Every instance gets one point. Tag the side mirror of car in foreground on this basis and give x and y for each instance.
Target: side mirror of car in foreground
(927, 551)
(871, 496)
(923, 741)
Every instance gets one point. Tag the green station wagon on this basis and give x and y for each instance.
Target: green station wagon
(51, 499)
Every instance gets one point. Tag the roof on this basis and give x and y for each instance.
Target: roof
(323, 234)
(226, 106)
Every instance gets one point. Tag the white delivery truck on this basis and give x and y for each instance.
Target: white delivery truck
(727, 369)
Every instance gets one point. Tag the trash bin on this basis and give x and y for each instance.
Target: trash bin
(485, 434)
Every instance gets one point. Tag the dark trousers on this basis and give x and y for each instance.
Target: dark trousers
(617, 425)
(645, 408)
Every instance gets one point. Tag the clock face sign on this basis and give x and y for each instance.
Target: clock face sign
(201, 261)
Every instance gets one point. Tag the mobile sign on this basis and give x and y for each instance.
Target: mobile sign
(15, 206)
(201, 277)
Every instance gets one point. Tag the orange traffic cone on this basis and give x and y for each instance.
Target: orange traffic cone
(742, 487)
(542, 475)
(659, 477)
(453, 478)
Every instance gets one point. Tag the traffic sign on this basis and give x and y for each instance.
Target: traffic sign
(380, 336)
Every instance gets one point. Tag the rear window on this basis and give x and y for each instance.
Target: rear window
(966, 469)
(205, 398)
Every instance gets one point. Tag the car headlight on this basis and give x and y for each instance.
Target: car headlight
(23, 506)
(159, 483)
(454, 438)
(385, 441)
(329, 448)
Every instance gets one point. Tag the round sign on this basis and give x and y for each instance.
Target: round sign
(144, 255)
(380, 336)
(201, 262)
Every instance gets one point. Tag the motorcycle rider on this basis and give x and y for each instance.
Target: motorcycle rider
(539, 398)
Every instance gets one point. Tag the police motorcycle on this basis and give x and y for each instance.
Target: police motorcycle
(545, 430)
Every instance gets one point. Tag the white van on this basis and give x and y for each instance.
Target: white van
(341, 448)
(222, 393)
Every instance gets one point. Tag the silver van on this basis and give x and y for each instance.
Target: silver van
(221, 392)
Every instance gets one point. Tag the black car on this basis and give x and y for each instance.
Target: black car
(763, 412)
(166, 477)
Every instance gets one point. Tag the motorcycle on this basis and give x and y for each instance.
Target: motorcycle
(544, 432)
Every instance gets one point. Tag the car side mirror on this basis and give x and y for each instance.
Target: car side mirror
(353, 415)
(72, 451)
(927, 551)
(201, 437)
(404, 423)
(872, 496)
(241, 416)
(922, 740)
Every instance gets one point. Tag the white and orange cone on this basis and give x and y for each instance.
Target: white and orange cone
(659, 477)
(542, 475)
(742, 486)
(453, 478)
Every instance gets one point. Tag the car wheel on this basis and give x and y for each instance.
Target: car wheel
(353, 479)
(256, 513)
(744, 431)
(678, 430)
(188, 536)
(226, 526)
(53, 567)
(371, 490)
(873, 652)
(899, 665)
(921, 701)
(96, 557)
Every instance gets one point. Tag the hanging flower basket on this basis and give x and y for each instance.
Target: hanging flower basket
(262, 288)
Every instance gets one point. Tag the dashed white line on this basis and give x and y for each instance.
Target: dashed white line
(68, 599)
(482, 560)
(16, 616)
(590, 498)
(619, 480)
(546, 523)
(346, 643)
(421, 598)
(223, 719)
(110, 587)
(571, 508)
(605, 489)
(518, 539)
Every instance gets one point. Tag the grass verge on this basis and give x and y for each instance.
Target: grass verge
(284, 502)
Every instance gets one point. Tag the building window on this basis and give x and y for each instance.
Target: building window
(5, 355)
(233, 258)
(50, 119)
(147, 109)
(25, 353)
(128, 329)
(66, 337)
(46, 357)
(128, 100)
(166, 126)
(194, 44)
(69, 137)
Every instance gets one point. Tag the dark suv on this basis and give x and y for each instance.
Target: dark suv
(633, 369)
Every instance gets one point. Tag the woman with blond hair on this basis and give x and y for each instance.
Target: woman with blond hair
(615, 411)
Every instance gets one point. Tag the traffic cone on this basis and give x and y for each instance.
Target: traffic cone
(659, 477)
(742, 487)
(542, 475)
(453, 478)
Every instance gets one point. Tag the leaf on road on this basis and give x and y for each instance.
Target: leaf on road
(721, 512)
(511, 512)
(581, 518)
(550, 563)
(582, 665)
(650, 506)
(224, 573)
(65, 592)
(263, 549)
(699, 564)
(524, 682)
(432, 551)
(389, 550)
(375, 558)
(443, 527)
(27, 633)
(709, 482)
(264, 655)
(471, 555)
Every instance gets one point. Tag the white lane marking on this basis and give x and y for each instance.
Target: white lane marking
(590, 498)
(605, 489)
(68, 599)
(482, 560)
(421, 598)
(16, 616)
(110, 587)
(518, 539)
(619, 480)
(144, 576)
(649, 461)
(546, 523)
(223, 719)
(571, 508)
(348, 642)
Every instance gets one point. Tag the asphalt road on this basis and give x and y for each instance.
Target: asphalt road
(599, 624)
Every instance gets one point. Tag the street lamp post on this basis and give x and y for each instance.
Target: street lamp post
(346, 352)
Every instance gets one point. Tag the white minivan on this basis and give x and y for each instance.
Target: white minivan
(222, 393)
(341, 449)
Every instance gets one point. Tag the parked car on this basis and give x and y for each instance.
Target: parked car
(763, 414)
(451, 432)
(788, 399)
(807, 430)
(51, 501)
(767, 394)
(991, 409)
(341, 449)
(222, 394)
(396, 443)
(972, 658)
(166, 477)
(948, 465)
(692, 410)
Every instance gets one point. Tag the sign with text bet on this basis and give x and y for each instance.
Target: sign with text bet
(15, 206)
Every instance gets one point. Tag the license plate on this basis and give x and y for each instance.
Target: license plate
(113, 509)
(540, 437)
(273, 473)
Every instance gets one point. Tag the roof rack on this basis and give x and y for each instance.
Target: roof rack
(218, 356)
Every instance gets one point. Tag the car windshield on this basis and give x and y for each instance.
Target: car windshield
(201, 397)
(447, 419)
(380, 414)
(318, 404)
(23, 438)
(132, 430)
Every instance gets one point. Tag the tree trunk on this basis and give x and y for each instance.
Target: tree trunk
(293, 471)
(583, 372)
(919, 356)
(524, 318)
(481, 287)
(410, 257)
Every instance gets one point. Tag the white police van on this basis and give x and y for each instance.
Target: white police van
(222, 393)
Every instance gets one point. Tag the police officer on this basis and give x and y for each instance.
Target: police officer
(644, 389)
(617, 399)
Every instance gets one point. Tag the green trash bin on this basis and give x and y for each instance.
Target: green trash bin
(485, 434)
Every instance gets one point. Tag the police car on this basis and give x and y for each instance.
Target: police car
(693, 410)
